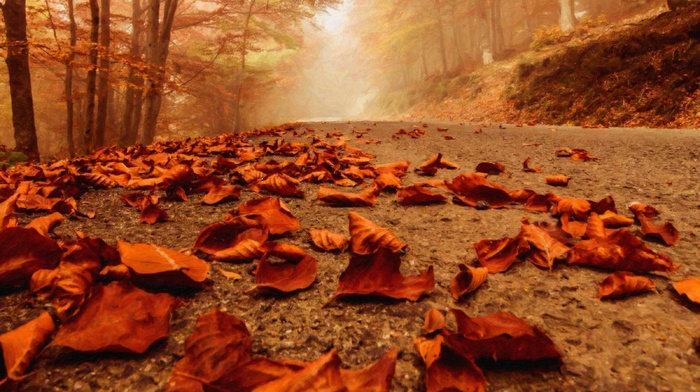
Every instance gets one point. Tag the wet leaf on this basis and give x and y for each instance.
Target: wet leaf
(366, 198)
(118, 318)
(499, 255)
(327, 240)
(622, 283)
(20, 346)
(558, 180)
(467, 280)
(25, 251)
(418, 195)
(378, 275)
(620, 251)
(221, 194)
(271, 212)
(160, 267)
(689, 287)
(366, 237)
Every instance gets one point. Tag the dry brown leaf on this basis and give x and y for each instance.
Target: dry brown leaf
(230, 274)
(7, 210)
(366, 198)
(434, 321)
(367, 237)
(327, 240)
(179, 175)
(667, 234)
(689, 287)
(558, 180)
(278, 184)
(467, 280)
(159, 267)
(639, 209)
(490, 168)
(546, 248)
(244, 250)
(447, 369)
(45, 224)
(118, 318)
(499, 255)
(272, 212)
(292, 275)
(431, 166)
(418, 195)
(527, 168)
(471, 189)
(397, 169)
(219, 237)
(577, 209)
(612, 219)
(25, 251)
(152, 214)
(19, 347)
(388, 180)
(622, 283)
(221, 194)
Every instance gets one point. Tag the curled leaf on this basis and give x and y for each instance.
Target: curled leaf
(45, 224)
(221, 236)
(278, 184)
(689, 287)
(366, 198)
(159, 267)
(527, 168)
(622, 283)
(490, 168)
(667, 234)
(21, 345)
(25, 251)
(577, 209)
(273, 213)
(292, 275)
(221, 194)
(431, 166)
(434, 321)
(499, 255)
(468, 279)
(471, 189)
(639, 209)
(418, 195)
(366, 237)
(558, 180)
(327, 240)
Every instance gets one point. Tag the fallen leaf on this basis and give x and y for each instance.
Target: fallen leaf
(595, 227)
(689, 287)
(541, 203)
(499, 255)
(397, 169)
(327, 240)
(45, 224)
(219, 237)
(118, 318)
(378, 275)
(25, 251)
(639, 209)
(244, 250)
(7, 210)
(366, 198)
(153, 214)
(418, 195)
(490, 168)
(292, 275)
(558, 180)
(272, 212)
(527, 168)
(573, 228)
(19, 347)
(546, 248)
(221, 194)
(278, 184)
(160, 267)
(471, 189)
(434, 321)
(611, 219)
(577, 209)
(178, 175)
(387, 180)
(620, 251)
(667, 234)
(230, 274)
(622, 283)
(431, 166)
(446, 369)
(366, 237)
(467, 280)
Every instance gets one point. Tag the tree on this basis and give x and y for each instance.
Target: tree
(15, 17)
(69, 79)
(88, 137)
(103, 86)
(133, 101)
(567, 18)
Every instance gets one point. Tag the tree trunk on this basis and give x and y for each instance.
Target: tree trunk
(567, 18)
(69, 80)
(14, 14)
(156, 57)
(441, 36)
(88, 137)
(241, 73)
(495, 30)
(455, 35)
(103, 86)
(133, 97)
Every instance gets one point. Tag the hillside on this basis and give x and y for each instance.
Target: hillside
(641, 72)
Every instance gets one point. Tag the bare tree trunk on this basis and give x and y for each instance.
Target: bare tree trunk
(241, 73)
(495, 30)
(88, 137)
(14, 14)
(133, 100)
(69, 80)
(103, 86)
(424, 62)
(156, 56)
(441, 36)
(567, 18)
(455, 35)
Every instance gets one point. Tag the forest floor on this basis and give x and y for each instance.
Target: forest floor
(639, 72)
(643, 342)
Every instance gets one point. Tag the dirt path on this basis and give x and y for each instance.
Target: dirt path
(640, 343)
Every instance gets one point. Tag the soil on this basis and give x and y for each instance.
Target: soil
(643, 342)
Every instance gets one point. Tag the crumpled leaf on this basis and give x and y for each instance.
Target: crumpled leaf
(546, 247)
(152, 214)
(178, 175)
(467, 280)
(612, 219)
(329, 241)
(667, 234)
(221, 194)
(272, 212)
(418, 195)
(220, 237)
(528, 169)
(25, 251)
(118, 318)
(292, 275)
(333, 197)
(20, 346)
(7, 209)
(366, 237)
(574, 208)
(499, 255)
(160, 267)
(500, 336)
(622, 283)
(397, 169)
(278, 184)
(45, 224)
(473, 188)
(431, 166)
(573, 228)
(620, 251)
(490, 168)
(447, 369)
(378, 275)
(434, 321)
(640, 209)
(558, 180)
(387, 180)
(689, 287)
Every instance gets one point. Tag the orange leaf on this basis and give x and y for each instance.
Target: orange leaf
(7, 210)
(221, 194)
(667, 234)
(327, 240)
(611, 219)
(221, 236)
(621, 284)
(417, 195)
(490, 168)
(547, 248)
(639, 209)
(230, 274)
(527, 168)
(45, 224)
(541, 203)
(398, 169)
(431, 166)
(178, 175)
(378, 275)
(152, 214)
(689, 287)
(620, 251)
(118, 318)
(595, 228)
(473, 188)
(559, 180)
(367, 237)
(278, 184)
(271, 212)
(468, 279)
(21, 345)
(571, 227)
(499, 255)
(162, 267)
(447, 369)
(366, 198)
(388, 180)
(25, 251)
(244, 250)
(434, 321)
(292, 275)
(577, 209)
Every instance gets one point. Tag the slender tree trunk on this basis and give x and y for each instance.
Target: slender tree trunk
(69, 80)
(455, 35)
(528, 22)
(14, 14)
(441, 36)
(424, 62)
(241, 73)
(567, 18)
(495, 31)
(156, 56)
(133, 97)
(88, 137)
(103, 86)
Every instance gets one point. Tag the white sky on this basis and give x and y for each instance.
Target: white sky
(333, 21)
